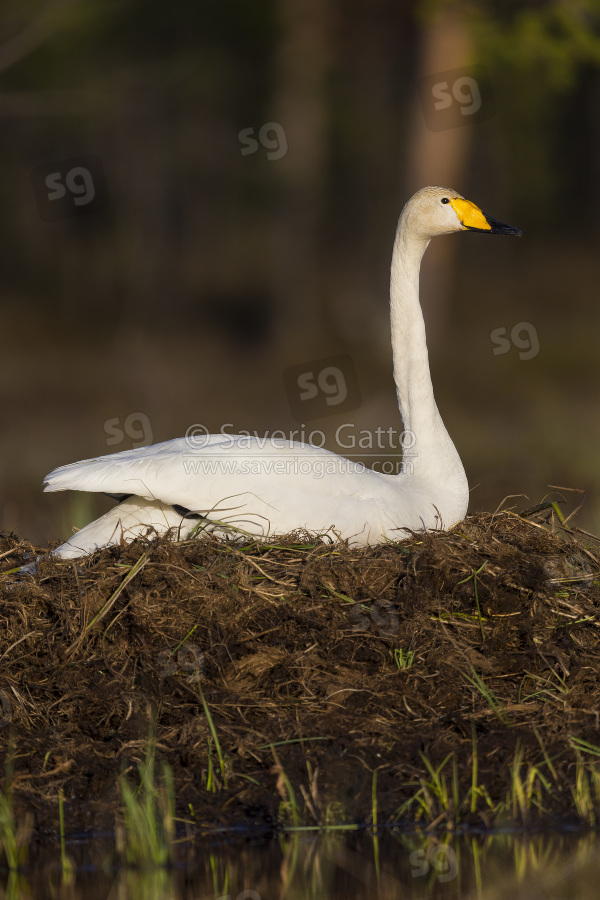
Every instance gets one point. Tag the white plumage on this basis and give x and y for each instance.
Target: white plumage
(266, 487)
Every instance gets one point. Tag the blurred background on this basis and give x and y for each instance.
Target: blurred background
(198, 208)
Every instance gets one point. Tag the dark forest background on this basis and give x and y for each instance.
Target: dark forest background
(240, 166)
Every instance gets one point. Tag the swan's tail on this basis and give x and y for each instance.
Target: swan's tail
(130, 519)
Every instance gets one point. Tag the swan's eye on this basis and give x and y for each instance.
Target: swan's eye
(445, 200)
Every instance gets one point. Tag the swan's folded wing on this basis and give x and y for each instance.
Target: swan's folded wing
(128, 472)
(224, 467)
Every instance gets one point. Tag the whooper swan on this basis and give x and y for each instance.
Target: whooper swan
(230, 483)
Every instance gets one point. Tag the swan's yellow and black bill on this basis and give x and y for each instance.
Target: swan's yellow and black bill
(472, 219)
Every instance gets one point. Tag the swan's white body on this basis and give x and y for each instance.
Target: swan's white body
(273, 487)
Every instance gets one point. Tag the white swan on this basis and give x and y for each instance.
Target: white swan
(272, 487)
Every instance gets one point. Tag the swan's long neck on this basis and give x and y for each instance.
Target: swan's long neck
(433, 455)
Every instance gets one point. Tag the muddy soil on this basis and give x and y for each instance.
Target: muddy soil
(319, 665)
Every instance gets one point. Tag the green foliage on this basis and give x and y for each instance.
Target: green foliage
(8, 833)
(67, 867)
(403, 660)
(145, 835)
(552, 38)
(489, 695)
(14, 838)
(210, 776)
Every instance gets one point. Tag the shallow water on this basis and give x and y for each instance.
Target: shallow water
(328, 866)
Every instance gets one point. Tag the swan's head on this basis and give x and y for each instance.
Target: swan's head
(437, 210)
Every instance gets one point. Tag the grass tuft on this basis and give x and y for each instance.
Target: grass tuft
(403, 660)
(489, 695)
(14, 837)
(146, 832)
(210, 778)
(67, 867)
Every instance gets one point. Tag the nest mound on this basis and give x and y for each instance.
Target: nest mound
(318, 664)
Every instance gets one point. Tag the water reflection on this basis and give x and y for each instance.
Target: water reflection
(329, 866)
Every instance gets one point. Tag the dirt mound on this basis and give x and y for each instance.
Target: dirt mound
(464, 662)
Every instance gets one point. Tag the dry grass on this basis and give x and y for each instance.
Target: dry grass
(270, 672)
